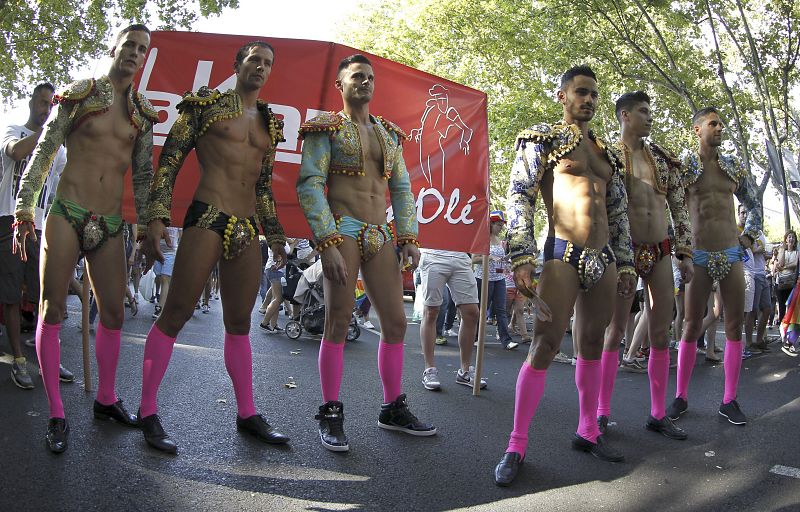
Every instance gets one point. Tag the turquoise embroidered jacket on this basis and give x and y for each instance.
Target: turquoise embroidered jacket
(745, 188)
(198, 111)
(78, 102)
(332, 145)
(539, 149)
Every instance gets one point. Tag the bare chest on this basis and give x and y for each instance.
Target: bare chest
(585, 161)
(714, 181)
(246, 131)
(114, 125)
(371, 144)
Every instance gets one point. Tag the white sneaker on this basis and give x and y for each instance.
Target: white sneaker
(468, 377)
(562, 358)
(368, 325)
(450, 332)
(430, 379)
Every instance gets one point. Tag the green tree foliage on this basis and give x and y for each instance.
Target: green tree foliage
(46, 39)
(739, 55)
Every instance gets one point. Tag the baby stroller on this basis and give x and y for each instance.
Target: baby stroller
(309, 295)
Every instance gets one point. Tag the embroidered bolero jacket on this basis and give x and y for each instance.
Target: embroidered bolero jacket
(332, 145)
(745, 188)
(668, 181)
(540, 149)
(198, 111)
(77, 103)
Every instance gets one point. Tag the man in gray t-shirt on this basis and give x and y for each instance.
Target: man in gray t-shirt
(761, 305)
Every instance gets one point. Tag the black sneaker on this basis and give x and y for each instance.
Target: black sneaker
(666, 427)
(331, 427)
(677, 408)
(733, 413)
(396, 416)
(789, 350)
(506, 470)
(602, 424)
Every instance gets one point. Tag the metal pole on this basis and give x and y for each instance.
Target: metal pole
(476, 384)
(786, 218)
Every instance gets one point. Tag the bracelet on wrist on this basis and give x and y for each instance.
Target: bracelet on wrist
(523, 260)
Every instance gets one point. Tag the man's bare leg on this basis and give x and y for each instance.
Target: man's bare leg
(107, 273)
(696, 298)
(593, 311)
(467, 332)
(558, 288)
(59, 254)
(199, 251)
(732, 291)
(11, 318)
(427, 331)
(609, 361)
(239, 282)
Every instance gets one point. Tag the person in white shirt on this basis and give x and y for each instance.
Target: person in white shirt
(16, 147)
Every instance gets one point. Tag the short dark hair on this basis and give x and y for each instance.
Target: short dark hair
(242, 53)
(130, 28)
(703, 112)
(582, 70)
(629, 100)
(42, 86)
(353, 59)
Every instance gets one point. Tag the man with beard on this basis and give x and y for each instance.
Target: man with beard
(587, 257)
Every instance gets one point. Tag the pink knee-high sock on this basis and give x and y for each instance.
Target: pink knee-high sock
(733, 365)
(609, 362)
(239, 363)
(687, 355)
(390, 368)
(587, 378)
(658, 371)
(106, 349)
(157, 351)
(530, 388)
(331, 366)
(48, 351)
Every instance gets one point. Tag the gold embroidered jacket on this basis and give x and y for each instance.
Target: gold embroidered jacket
(198, 111)
(77, 103)
(745, 188)
(332, 145)
(539, 149)
(668, 182)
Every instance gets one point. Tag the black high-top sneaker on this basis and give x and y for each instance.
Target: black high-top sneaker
(331, 427)
(396, 416)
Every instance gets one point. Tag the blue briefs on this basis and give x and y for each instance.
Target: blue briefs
(589, 263)
(718, 263)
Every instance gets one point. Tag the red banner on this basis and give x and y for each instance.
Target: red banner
(447, 157)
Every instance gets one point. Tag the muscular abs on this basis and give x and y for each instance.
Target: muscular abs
(710, 204)
(575, 196)
(99, 152)
(646, 207)
(363, 198)
(230, 155)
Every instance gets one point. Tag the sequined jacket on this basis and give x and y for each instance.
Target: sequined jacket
(79, 102)
(332, 145)
(668, 182)
(745, 188)
(198, 111)
(539, 149)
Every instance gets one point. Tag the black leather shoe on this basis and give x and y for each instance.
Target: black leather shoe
(258, 427)
(602, 424)
(599, 449)
(57, 433)
(331, 427)
(115, 412)
(155, 435)
(677, 408)
(506, 470)
(666, 427)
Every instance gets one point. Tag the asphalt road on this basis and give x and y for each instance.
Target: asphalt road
(109, 467)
